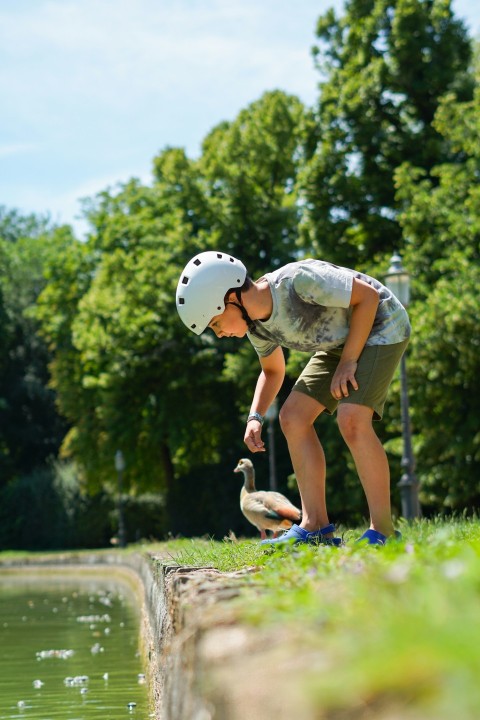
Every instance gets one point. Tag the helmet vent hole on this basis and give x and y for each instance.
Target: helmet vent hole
(219, 256)
(193, 326)
(197, 262)
(184, 280)
(231, 260)
(181, 301)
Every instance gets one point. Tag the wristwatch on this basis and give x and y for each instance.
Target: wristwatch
(255, 416)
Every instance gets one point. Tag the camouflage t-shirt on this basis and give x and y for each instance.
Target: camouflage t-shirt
(311, 310)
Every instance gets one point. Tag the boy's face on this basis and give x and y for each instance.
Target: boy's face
(229, 323)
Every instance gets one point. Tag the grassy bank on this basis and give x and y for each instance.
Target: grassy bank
(390, 633)
(397, 628)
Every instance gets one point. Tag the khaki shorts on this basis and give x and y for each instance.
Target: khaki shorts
(375, 370)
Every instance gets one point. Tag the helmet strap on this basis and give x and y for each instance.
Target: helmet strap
(245, 315)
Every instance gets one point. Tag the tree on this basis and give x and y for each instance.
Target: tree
(124, 369)
(30, 427)
(441, 220)
(385, 66)
(127, 373)
(250, 168)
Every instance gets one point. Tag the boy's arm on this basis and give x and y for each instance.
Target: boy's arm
(364, 304)
(268, 384)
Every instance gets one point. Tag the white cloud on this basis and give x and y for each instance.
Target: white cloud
(113, 52)
(16, 149)
(65, 205)
(91, 90)
(103, 86)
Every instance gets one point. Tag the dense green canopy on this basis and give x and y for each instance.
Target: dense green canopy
(93, 357)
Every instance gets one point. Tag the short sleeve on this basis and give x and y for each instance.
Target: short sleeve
(323, 284)
(263, 346)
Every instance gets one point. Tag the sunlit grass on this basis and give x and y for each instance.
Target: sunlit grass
(226, 556)
(399, 625)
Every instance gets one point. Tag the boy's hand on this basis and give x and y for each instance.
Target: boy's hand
(344, 374)
(253, 437)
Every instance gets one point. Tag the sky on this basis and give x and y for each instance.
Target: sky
(92, 90)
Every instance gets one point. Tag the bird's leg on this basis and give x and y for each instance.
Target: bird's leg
(263, 534)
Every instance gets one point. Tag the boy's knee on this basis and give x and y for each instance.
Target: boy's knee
(291, 421)
(286, 418)
(353, 421)
(298, 414)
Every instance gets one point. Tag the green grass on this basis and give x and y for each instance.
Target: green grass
(399, 626)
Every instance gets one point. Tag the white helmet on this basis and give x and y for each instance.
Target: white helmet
(203, 285)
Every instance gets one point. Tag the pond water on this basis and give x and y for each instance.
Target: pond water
(70, 648)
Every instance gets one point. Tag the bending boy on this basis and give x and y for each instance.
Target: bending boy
(357, 331)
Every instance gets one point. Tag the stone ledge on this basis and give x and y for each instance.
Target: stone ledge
(217, 668)
(203, 663)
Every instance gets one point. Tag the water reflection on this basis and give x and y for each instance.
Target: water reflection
(69, 649)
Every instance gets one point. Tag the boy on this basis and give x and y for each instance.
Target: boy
(357, 331)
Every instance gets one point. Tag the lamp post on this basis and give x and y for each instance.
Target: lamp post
(120, 467)
(398, 281)
(271, 415)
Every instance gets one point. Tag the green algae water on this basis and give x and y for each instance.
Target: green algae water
(70, 648)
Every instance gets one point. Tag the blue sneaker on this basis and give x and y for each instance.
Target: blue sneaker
(373, 537)
(296, 535)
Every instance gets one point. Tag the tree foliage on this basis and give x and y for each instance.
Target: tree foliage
(127, 373)
(94, 357)
(441, 221)
(250, 168)
(385, 65)
(30, 428)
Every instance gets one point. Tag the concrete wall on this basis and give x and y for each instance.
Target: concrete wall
(172, 602)
(202, 661)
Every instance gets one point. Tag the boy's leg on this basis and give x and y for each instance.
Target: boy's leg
(297, 416)
(310, 397)
(355, 413)
(355, 423)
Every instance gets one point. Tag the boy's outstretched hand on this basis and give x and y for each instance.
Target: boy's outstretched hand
(344, 374)
(253, 437)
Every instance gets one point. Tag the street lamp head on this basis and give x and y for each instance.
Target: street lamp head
(397, 280)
